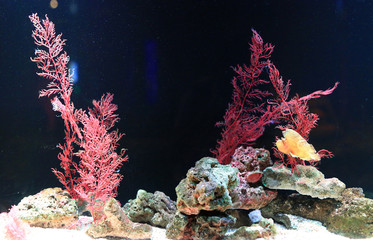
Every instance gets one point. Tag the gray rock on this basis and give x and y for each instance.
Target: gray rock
(299, 205)
(306, 180)
(156, 209)
(207, 187)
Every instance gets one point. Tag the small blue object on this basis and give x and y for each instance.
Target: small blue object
(74, 68)
(255, 216)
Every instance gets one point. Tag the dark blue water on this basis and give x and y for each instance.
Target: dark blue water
(168, 66)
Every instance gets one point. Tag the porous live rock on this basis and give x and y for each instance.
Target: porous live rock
(207, 225)
(249, 194)
(250, 163)
(247, 197)
(50, 208)
(264, 229)
(156, 209)
(306, 180)
(117, 224)
(351, 216)
(207, 186)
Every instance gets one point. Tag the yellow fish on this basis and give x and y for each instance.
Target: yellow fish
(295, 145)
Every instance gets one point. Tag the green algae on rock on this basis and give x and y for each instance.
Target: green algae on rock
(354, 218)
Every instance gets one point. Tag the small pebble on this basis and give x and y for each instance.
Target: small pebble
(255, 216)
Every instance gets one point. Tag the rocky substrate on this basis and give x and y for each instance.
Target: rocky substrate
(243, 200)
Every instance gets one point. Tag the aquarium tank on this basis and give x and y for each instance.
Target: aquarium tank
(192, 111)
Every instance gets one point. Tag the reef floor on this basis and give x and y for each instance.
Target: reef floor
(306, 230)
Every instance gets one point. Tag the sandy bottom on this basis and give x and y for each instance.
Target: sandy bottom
(306, 230)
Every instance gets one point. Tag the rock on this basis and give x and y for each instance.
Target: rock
(264, 229)
(306, 180)
(255, 216)
(250, 163)
(300, 223)
(155, 209)
(206, 225)
(50, 208)
(293, 222)
(241, 216)
(299, 205)
(207, 187)
(246, 197)
(354, 217)
(249, 194)
(117, 224)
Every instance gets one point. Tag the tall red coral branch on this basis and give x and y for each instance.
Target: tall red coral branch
(253, 107)
(96, 177)
(246, 117)
(52, 62)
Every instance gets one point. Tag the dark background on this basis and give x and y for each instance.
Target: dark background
(168, 65)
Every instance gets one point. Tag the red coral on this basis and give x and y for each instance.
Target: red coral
(15, 228)
(253, 108)
(96, 177)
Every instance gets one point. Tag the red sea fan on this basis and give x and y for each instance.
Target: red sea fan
(294, 114)
(253, 108)
(246, 118)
